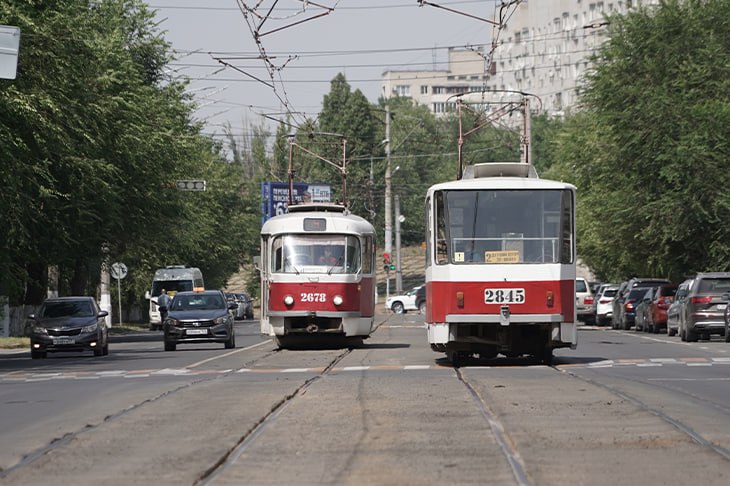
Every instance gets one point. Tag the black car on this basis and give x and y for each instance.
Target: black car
(68, 324)
(195, 317)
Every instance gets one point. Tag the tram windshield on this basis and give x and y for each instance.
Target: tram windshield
(313, 253)
(504, 226)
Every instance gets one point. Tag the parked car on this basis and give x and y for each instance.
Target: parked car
(244, 305)
(246, 302)
(702, 312)
(619, 303)
(68, 324)
(656, 315)
(641, 309)
(604, 303)
(726, 298)
(199, 316)
(628, 311)
(414, 299)
(673, 312)
(583, 301)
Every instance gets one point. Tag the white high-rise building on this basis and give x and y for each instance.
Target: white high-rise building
(543, 50)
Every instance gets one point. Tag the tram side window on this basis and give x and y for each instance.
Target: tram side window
(566, 241)
(367, 255)
(442, 238)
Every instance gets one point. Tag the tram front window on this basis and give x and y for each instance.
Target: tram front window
(504, 226)
(308, 253)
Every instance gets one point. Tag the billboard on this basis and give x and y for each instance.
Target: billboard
(275, 196)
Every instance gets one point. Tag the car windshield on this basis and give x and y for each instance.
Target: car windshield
(68, 308)
(197, 302)
(610, 292)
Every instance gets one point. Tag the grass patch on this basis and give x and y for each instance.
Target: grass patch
(14, 342)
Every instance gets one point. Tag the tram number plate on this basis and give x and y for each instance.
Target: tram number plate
(313, 297)
(504, 296)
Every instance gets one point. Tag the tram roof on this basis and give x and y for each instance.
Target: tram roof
(339, 220)
(501, 175)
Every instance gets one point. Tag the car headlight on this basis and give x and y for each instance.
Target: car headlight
(40, 330)
(220, 320)
(91, 328)
(172, 322)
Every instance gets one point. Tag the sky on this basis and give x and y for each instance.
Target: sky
(359, 38)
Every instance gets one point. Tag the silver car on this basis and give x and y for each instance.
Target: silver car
(702, 311)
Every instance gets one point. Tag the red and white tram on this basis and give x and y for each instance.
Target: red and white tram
(500, 271)
(317, 276)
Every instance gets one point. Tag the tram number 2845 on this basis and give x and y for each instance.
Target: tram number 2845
(504, 296)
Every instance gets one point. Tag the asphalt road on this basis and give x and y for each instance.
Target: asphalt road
(624, 407)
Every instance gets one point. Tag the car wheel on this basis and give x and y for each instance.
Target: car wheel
(422, 308)
(727, 336)
(692, 336)
(398, 308)
(37, 354)
(105, 349)
(170, 346)
(671, 332)
(249, 315)
(231, 343)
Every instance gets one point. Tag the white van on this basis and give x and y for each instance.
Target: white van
(174, 279)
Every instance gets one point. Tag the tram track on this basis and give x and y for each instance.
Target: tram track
(68, 438)
(506, 444)
(674, 422)
(249, 438)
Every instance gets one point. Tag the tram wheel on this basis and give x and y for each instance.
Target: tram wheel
(457, 358)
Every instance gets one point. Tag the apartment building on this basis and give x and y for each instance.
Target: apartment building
(544, 50)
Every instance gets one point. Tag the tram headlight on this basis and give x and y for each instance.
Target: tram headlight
(288, 300)
(337, 300)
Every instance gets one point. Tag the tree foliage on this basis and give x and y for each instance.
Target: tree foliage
(92, 138)
(650, 150)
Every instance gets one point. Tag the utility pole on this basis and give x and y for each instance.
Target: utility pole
(398, 273)
(388, 175)
(526, 132)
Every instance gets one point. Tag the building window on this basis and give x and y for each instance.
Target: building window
(424, 89)
(402, 90)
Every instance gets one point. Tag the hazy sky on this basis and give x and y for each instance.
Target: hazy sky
(360, 38)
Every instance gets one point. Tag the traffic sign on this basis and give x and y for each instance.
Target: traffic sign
(118, 270)
(194, 185)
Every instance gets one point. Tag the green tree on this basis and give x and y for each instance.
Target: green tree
(652, 177)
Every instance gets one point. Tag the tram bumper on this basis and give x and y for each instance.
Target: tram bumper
(463, 330)
(319, 322)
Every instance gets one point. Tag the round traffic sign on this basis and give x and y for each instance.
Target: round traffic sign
(119, 270)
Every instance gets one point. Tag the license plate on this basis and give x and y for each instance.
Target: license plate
(721, 306)
(58, 341)
(504, 296)
(196, 332)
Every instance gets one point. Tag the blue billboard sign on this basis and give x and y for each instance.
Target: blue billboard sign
(275, 196)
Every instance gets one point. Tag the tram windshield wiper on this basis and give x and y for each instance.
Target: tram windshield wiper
(337, 264)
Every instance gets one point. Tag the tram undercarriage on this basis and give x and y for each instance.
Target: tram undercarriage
(316, 331)
(487, 340)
